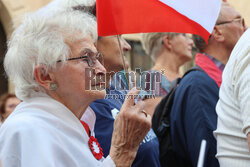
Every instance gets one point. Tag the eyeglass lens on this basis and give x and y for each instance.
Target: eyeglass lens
(92, 57)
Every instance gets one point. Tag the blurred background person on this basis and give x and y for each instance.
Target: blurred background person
(169, 52)
(8, 103)
(47, 60)
(193, 115)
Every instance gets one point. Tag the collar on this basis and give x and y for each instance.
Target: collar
(209, 67)
(219, 64)
(51, 106)
(89, 118)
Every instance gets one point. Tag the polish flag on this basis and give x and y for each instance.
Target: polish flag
(116, 17)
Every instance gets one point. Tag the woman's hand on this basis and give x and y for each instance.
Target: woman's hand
(130, 127)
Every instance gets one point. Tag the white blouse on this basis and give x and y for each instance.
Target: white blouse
(42, 132)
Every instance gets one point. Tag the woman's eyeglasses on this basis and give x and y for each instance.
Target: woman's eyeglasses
(89, 56)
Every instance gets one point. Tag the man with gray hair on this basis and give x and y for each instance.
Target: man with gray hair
(193, 115)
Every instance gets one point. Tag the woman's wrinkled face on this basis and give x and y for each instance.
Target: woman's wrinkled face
(182, 46)
(10, 105)
(75, 78)
(109, 47)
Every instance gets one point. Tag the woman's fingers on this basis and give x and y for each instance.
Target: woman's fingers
(131, 96)
(130, 127)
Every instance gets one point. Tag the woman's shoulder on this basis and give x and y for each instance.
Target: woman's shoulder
(19, 122)
(25, 121)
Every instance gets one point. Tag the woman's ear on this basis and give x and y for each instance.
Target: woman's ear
(166, 42)
(43, 77)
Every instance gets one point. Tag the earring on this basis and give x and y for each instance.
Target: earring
(53, 86)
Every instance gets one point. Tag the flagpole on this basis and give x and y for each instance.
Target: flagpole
(123, 62)
(202, 153)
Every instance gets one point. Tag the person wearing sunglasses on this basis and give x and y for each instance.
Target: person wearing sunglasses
(193, 115)
(47, 60)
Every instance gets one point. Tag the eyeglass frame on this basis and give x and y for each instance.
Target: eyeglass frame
(241, 19)
(90, 62)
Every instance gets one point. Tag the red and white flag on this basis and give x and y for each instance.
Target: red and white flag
(135, 16)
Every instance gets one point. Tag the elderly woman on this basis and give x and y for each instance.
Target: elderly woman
(47, 60)
(106, 110)
(8, 103)
(169, 51)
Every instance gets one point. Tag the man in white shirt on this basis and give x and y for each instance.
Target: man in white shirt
(233, 129)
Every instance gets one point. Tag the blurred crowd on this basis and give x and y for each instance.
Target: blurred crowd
(74, 106)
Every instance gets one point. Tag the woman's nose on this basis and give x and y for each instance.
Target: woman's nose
(99, 68)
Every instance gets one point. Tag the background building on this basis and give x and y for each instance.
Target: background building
(11, 12)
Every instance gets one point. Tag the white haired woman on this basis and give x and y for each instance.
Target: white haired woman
(48, 60)
(169, 52)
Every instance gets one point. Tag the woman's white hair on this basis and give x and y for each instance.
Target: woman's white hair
(41, 40)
